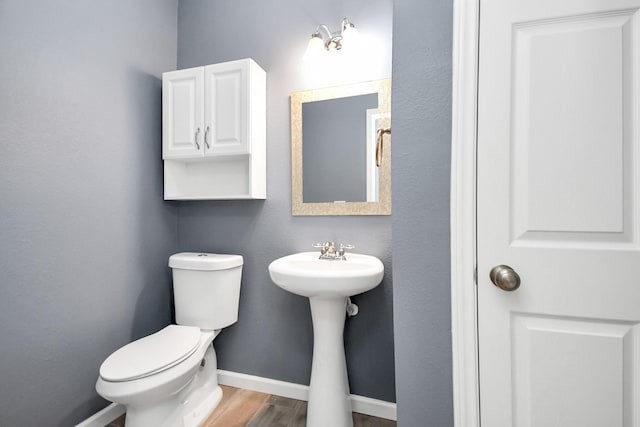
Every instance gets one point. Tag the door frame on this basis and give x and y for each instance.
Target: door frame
(464, 302)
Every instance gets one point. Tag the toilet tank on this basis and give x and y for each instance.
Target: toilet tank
(206, 288)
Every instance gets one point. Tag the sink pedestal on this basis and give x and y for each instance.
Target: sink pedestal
(327, 284)
(329, 400)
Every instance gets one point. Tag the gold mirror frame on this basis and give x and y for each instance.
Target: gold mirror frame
(383, 206)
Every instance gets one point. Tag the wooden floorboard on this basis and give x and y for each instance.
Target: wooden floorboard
(227, 395)
(361, 420)
(246, 408)
(239, 410)
(278, 412)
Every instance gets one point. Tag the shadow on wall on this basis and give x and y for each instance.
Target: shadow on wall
(154, 307)
(240, 218)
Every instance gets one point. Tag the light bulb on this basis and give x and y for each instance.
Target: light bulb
(350, 37)
(315, 47)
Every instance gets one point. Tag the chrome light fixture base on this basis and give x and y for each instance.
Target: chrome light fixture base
(334, 41)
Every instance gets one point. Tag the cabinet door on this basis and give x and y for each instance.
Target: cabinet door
(183, 113)
(226, 100)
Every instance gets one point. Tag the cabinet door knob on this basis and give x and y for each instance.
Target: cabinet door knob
(196, 138)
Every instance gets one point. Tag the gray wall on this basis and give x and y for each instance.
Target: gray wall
(421, 122)
(84, 233)
(273, 337)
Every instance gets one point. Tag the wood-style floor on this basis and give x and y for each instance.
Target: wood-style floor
(246, 408)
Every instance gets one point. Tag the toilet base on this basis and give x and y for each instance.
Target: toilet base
(167, 413)
(203, 394)
(197, 416)
(190, 407)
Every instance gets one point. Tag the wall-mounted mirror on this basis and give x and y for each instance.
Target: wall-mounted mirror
(341, 150)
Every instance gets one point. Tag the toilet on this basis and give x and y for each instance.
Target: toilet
(169, 378)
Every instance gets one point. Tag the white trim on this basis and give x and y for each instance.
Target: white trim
(360, 404)
(371, 141)
(263, 385)
(104, 417)
(466, 396)
(374, 407)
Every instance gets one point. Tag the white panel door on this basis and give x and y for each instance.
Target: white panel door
(558, 195)
(227, 108)
(182, 113)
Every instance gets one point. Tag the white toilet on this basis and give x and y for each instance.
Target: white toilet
(169, 379)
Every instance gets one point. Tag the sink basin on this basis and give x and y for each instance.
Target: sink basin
(304, 274)
(327, 284)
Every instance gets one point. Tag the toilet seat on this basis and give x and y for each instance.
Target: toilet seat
(152, 354)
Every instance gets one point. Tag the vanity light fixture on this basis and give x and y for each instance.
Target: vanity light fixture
(334, 40)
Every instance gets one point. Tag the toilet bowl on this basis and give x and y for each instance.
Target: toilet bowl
(169, 378)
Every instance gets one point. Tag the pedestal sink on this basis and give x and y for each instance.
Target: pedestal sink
(327, 284)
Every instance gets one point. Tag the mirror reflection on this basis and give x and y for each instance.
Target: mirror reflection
(340, 156)
(336, 152)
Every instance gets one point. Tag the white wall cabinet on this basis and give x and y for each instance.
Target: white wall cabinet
(214, 132)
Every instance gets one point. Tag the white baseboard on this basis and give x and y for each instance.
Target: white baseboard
(264, 385)
(104, 417)
(360, 404)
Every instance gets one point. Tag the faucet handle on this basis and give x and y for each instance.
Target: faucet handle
(325, 247)
(342, 248)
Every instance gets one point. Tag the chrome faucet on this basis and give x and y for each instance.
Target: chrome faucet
(328, 250)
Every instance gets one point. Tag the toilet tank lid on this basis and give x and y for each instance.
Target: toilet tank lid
(204, 261)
